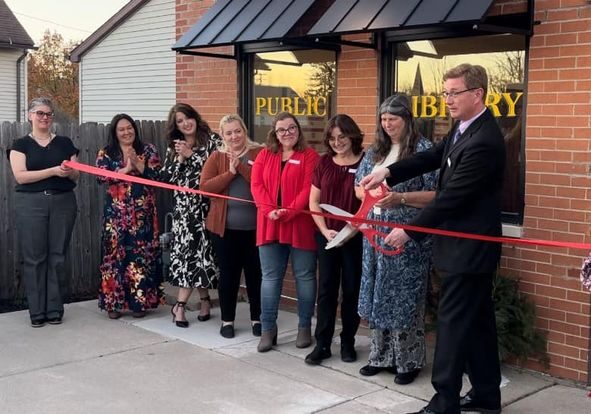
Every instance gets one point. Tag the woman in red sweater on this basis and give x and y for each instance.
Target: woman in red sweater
(280, 184)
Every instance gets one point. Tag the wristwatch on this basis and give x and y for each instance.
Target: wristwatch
(402, 199)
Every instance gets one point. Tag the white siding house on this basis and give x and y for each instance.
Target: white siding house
(128, 66)
(14, 46)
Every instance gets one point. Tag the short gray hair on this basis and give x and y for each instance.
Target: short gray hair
(40, 102)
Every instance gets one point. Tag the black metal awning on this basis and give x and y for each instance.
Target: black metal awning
(319, 23)
(355, 16)
(229, 22)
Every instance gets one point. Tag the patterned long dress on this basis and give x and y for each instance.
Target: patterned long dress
(131, 269)
(393, 288)
(192, 260)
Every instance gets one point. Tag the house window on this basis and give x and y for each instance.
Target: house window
(301, 82)
(418, 71)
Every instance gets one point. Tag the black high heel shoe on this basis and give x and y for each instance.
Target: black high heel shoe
(180, 324)
(205, 317)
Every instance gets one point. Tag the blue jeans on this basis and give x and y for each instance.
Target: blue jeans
(274, 258)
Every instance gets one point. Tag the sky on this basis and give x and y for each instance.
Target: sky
(74, 19)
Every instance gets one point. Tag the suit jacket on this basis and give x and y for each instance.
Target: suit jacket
(468, 195)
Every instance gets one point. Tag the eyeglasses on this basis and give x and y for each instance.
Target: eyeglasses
(340, 138)
(282, 131)
(41, 114)
(454, 95)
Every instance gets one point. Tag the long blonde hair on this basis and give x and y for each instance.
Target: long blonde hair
(231, 118)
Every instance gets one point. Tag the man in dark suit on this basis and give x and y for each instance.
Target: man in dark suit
(468, 199)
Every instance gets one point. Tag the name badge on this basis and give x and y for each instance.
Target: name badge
(352, 170)
(296, 162)
(449, 162)
(250, 162)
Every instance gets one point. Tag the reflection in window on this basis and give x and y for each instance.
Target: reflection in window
(301, 82)
(419, 72)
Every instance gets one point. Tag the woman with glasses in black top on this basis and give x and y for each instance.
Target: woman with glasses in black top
(45, 210)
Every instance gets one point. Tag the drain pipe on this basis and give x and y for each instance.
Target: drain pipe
(18, 85)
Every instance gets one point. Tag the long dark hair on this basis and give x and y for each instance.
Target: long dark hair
(202, 133)
(273, 143)
(349, 129)
(399, 105)
(113, 149)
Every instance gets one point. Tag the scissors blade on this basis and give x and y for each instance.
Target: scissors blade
(335, 210)
(341, 236)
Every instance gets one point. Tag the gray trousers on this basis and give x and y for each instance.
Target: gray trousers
(44, 225)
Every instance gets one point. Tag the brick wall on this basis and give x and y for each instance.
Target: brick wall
(209, 84)
(558, 156)
(357, 85)
(558, 185)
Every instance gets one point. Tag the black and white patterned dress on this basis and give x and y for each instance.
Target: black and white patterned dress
(193, 262)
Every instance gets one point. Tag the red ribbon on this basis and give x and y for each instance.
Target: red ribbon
(358, 218)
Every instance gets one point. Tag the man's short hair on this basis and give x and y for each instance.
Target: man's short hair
(474, 76)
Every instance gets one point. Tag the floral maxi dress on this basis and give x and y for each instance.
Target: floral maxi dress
(192, 260)
(131, 268)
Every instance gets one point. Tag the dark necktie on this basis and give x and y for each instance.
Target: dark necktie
(456, 135)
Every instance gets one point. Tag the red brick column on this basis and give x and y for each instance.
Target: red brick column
(209, 84)
(558, 184)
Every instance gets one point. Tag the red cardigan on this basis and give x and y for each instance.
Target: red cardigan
(293, 228)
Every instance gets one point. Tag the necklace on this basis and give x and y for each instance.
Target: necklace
(40, 139)
(242, 152)
(43, 142)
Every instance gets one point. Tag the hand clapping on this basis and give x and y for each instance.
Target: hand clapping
(182, 149)
(136, 161)
(132, 162)
(234, 161)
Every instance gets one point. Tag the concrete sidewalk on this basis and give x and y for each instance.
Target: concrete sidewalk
(91, 364)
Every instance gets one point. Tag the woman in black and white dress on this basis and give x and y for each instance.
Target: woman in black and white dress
(190, 143)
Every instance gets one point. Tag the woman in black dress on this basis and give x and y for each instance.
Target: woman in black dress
(193, 265)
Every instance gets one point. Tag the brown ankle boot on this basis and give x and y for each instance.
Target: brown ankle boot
(304, 338)
(268, 339)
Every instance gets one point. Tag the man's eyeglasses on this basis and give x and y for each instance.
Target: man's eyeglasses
(282, 131)
(41, 114)
(454, 95)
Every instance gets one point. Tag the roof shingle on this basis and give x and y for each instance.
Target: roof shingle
(12, 33)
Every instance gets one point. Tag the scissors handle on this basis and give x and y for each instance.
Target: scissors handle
(372, 235)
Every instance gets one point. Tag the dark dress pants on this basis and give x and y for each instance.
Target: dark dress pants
(338, 267)
(44, 226)
(466, 337)
(236, 251)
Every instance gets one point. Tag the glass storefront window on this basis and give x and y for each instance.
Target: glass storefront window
(301, 82)
(419, 68)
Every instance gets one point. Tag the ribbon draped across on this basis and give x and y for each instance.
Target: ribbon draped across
(357, 219)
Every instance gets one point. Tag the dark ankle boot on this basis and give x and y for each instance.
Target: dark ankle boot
(268, 339)
(317, 355)
(348, 353)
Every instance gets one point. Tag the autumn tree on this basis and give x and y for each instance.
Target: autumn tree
(53, 75)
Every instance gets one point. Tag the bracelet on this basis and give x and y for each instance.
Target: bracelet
(403, 199)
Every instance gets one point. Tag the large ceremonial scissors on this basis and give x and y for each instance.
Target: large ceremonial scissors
(369, 200)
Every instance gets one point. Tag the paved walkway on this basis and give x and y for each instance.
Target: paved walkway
(91, 364)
